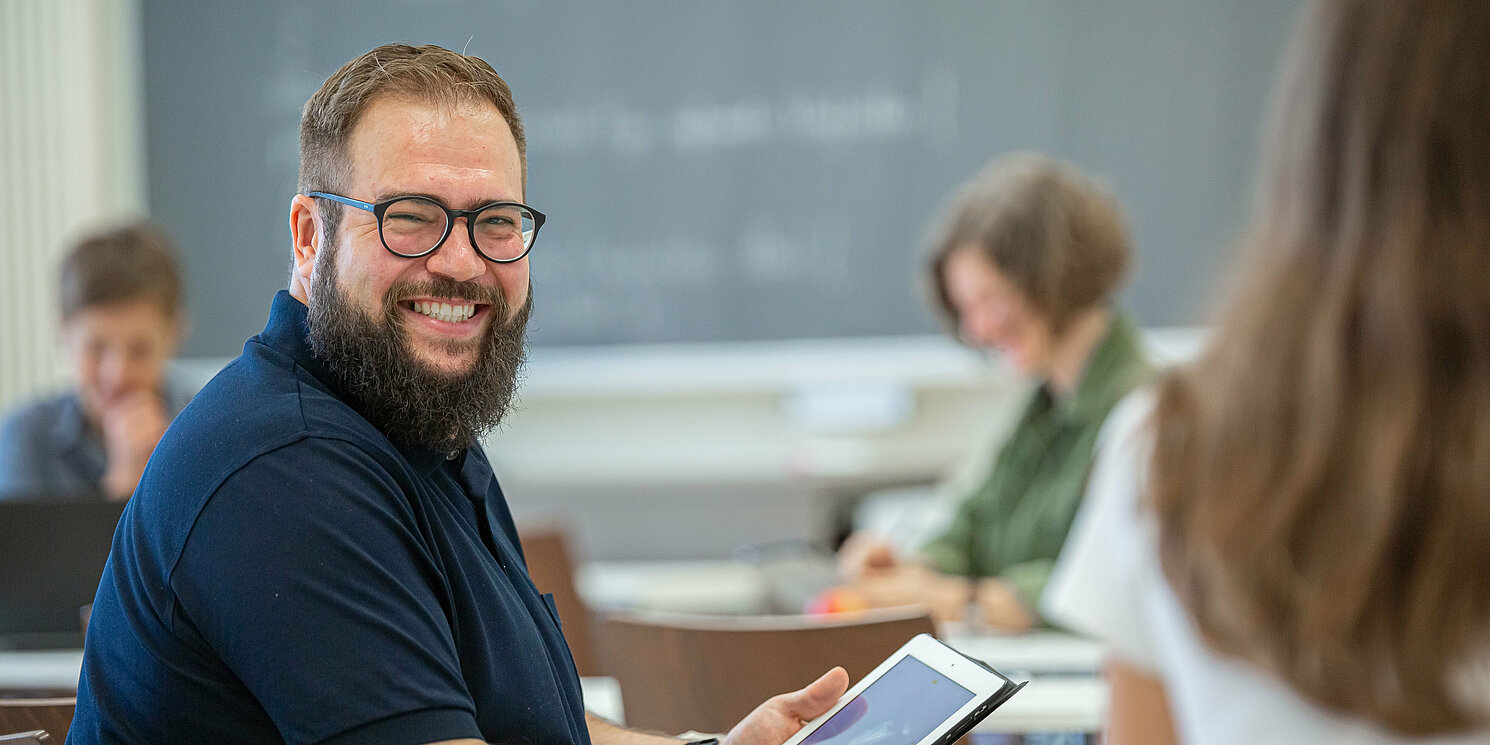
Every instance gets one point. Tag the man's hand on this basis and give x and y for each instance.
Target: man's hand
(131, 426)
(781, 716)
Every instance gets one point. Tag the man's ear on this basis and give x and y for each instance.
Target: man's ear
(305, 239)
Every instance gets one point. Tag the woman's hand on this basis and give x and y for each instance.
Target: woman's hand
(909, 584)
(1001, 608)
(863, 554)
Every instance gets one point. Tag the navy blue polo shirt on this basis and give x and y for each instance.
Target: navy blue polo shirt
(285, 573)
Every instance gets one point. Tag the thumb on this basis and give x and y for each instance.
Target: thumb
(817, 697)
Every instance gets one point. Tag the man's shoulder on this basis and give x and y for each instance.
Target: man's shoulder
(264, 429)
(261, 405)
(262, 397)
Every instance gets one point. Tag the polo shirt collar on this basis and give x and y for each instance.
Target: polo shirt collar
(288, 331)
(423, 460)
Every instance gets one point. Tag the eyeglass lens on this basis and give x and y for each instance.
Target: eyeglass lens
(413, 226)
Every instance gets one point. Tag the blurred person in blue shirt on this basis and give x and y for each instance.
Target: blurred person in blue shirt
(120, 299)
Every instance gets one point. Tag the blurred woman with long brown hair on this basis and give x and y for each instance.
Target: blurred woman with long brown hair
(1289, 540)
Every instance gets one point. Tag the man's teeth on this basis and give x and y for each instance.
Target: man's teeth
(445, 311)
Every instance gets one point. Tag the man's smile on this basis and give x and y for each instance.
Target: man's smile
(457, 313)
(446, 316)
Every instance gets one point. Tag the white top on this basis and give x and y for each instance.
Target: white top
(1108, 583)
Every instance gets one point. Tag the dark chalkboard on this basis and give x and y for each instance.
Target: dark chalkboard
(719, 171)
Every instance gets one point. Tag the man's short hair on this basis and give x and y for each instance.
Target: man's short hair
(425, 73)
(128, 263)
(1057, 234)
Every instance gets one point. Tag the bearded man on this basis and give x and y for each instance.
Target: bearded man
(319, 551)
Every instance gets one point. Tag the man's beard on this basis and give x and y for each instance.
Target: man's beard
(411, 403)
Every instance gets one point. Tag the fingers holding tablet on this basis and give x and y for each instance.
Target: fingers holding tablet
(925, 693)
(780, 716)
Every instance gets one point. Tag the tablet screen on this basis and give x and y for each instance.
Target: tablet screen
(900, 708)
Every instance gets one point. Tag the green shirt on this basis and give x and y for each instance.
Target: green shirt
(1013, 525)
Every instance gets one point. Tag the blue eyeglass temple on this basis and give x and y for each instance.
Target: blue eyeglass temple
(359, 204)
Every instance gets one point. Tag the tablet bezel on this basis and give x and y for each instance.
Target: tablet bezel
(955, 666)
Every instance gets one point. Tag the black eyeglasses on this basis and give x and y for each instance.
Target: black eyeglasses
(412, 227)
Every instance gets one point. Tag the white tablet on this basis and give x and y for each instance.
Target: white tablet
(925, 694)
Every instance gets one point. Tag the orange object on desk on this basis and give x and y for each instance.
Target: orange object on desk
(836, 600)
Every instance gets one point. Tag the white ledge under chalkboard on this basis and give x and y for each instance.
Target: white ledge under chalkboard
(735, 367)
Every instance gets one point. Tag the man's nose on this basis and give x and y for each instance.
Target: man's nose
(457, 258)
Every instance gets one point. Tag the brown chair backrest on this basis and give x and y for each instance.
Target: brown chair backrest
(552, 568)
(26, 714)
(706, 673)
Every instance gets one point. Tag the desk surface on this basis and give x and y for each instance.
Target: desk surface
(31, 670)
(1038, 653)
(1050, 703)
(711, 587)
(59, 669)
(732, 588)
(1065, 693)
